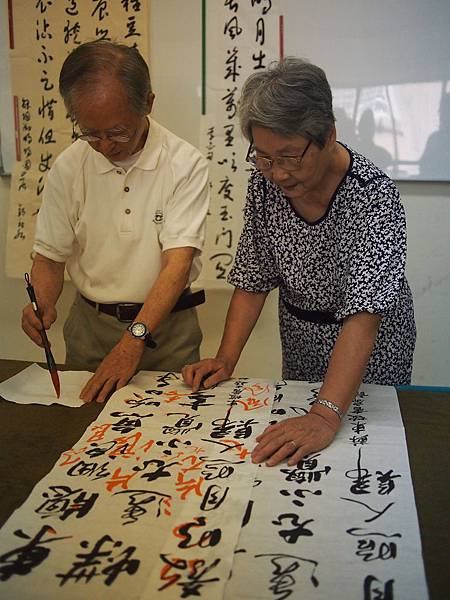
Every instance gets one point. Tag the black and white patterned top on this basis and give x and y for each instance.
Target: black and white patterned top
(351, 260)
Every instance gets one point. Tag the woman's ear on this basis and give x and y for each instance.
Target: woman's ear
(332, 136)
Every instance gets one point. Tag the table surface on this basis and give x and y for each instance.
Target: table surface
(48, 430)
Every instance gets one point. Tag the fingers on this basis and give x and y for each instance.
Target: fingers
(194, 374)
(293, 439)
(31, 325)
(99, 389)
(204, 373)
(277, 451)
(274, 446)
(268, 429)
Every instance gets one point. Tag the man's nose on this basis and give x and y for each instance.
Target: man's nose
(104, 144)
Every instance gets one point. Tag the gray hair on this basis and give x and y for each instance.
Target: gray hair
(86, 62)
(291, 97)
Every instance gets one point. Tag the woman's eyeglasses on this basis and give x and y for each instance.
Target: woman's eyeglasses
(265, 163)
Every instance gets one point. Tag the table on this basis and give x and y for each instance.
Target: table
(49, 430)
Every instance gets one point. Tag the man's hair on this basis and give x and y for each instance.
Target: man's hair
(87, 62)
(291, 97)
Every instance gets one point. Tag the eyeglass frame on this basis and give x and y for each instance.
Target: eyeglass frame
(276, 159)
(87, 137)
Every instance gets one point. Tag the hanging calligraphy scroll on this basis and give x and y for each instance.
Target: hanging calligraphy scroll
(42, 33)
(159, 499)
(241, 38)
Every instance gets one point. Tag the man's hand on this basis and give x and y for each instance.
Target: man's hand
(31, 324)
(295, 438)
(115, 370)
(206, 373)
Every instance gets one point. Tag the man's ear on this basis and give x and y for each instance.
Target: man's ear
(150, 100)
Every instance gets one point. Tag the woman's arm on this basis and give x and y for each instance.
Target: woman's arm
(299, 436)
(243, 312)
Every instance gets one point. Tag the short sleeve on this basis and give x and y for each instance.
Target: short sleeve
(254, 268)
(54, 234)
(187, 202)
(376, 265)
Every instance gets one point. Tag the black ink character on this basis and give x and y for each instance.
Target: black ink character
(90, 563)
(386, 482)
(291, 535)
(63, 502)
(213, 497)
(24, 559)
(137, 499)
(374, 589)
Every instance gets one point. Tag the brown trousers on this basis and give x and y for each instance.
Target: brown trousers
(90, 335)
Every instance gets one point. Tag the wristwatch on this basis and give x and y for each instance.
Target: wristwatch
(140, 332)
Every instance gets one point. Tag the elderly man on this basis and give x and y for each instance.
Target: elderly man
(124, 210)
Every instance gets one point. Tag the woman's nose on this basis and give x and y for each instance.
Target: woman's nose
(278, 173)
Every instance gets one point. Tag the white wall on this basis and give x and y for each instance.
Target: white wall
(175, 50)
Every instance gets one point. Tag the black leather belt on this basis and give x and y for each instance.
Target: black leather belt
(320, 317)
(128, 311)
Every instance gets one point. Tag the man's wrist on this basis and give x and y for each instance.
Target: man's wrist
(140, 332)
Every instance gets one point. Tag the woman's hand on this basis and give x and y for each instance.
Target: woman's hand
(295, 438)
(206, 373)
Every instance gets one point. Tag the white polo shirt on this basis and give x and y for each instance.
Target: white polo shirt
(110, 226)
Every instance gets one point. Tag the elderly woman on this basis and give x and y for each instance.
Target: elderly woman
(327, 227)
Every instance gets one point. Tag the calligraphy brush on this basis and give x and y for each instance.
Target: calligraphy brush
(48, 353)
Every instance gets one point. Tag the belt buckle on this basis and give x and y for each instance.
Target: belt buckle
(119, 314)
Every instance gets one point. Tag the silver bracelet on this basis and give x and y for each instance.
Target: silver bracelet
(329, 404)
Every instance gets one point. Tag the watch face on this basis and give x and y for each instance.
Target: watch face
(138, 329)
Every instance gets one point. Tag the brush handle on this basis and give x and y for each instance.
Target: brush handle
(48, 353)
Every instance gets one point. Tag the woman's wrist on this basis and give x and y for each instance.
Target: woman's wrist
(227, 361)
(330, 405)
(329, 415)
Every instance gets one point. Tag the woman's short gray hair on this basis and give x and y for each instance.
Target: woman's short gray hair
(291, 97)
(86, 62)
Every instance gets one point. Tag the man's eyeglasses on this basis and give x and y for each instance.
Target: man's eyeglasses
(120, 136)
(265, 163)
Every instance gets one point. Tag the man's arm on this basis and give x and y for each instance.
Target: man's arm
(121, 363)
(47, 277)
(243, 312)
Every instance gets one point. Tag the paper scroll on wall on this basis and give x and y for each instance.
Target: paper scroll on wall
(241, 39)
(41, 34)
(159, 499)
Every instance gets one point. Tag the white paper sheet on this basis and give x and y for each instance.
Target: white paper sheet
(341, 523)
(149, 502)
(33, 385)
(159, 499)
